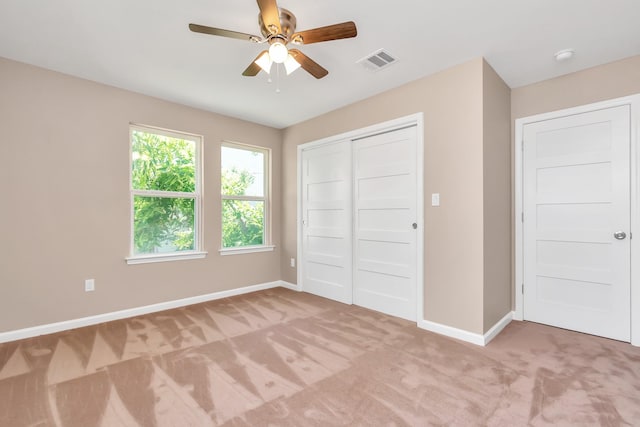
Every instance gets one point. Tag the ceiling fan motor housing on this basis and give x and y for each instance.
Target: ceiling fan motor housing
(287, 24)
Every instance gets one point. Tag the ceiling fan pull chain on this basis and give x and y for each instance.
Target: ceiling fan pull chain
(277, 78)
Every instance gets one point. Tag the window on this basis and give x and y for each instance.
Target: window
(245, 198)
(165, 195)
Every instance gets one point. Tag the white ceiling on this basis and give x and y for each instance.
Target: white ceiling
(145, 46)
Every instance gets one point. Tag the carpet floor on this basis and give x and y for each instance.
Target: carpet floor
(282, 358)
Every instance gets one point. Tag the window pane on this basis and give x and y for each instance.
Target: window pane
(162, 163)
(242, 172)
(163, 224)
(242, 223)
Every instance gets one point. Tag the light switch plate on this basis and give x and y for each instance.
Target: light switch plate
(435, 199)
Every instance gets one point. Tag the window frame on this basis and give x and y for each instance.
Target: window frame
(197, 252)
(267, 245)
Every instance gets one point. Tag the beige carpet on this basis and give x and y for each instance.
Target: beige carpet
(283, 358)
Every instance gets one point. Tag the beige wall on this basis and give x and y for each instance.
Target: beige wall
(64, 200)
(452, 102)
(613, 80)
(497, 197)
(65, 214)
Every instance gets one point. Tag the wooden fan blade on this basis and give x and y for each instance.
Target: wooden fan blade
(308, 64)
(270, 15)
(220, 32)
(332, 32)
(253, 69)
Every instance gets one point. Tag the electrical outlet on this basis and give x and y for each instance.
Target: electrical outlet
(293, 262)
(89, 285)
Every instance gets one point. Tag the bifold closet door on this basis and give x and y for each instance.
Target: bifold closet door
(326, 221)
(384, 171)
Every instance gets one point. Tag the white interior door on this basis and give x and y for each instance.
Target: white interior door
(576, 198)
(326, 221)
(384, 168)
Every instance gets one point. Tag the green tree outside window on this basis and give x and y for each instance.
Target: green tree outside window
(163, 179)
(243, 189)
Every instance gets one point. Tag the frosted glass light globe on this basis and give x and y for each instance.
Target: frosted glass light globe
(278, 52)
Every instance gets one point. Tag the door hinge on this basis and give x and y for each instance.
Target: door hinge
(522, 288)
(522, 217)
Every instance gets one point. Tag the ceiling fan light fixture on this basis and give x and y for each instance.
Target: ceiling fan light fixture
(290, 64)
(265, 62)
(278, 28)
(278, 52)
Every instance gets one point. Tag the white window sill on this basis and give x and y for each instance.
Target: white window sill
(246, 250)
(145, 259)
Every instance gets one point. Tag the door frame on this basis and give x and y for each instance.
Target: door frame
(633, 102)
(417, 120)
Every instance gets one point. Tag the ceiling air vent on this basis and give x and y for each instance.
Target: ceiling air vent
(377, 60)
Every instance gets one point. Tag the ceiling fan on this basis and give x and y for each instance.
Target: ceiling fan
(278, 27)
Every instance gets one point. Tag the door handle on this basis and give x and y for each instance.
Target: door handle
(620, 235)
(414, 225)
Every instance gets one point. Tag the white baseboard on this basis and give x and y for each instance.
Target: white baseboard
(451, 332)
(467, 336)
(137, 311)
(291, 286)
(498, 327)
